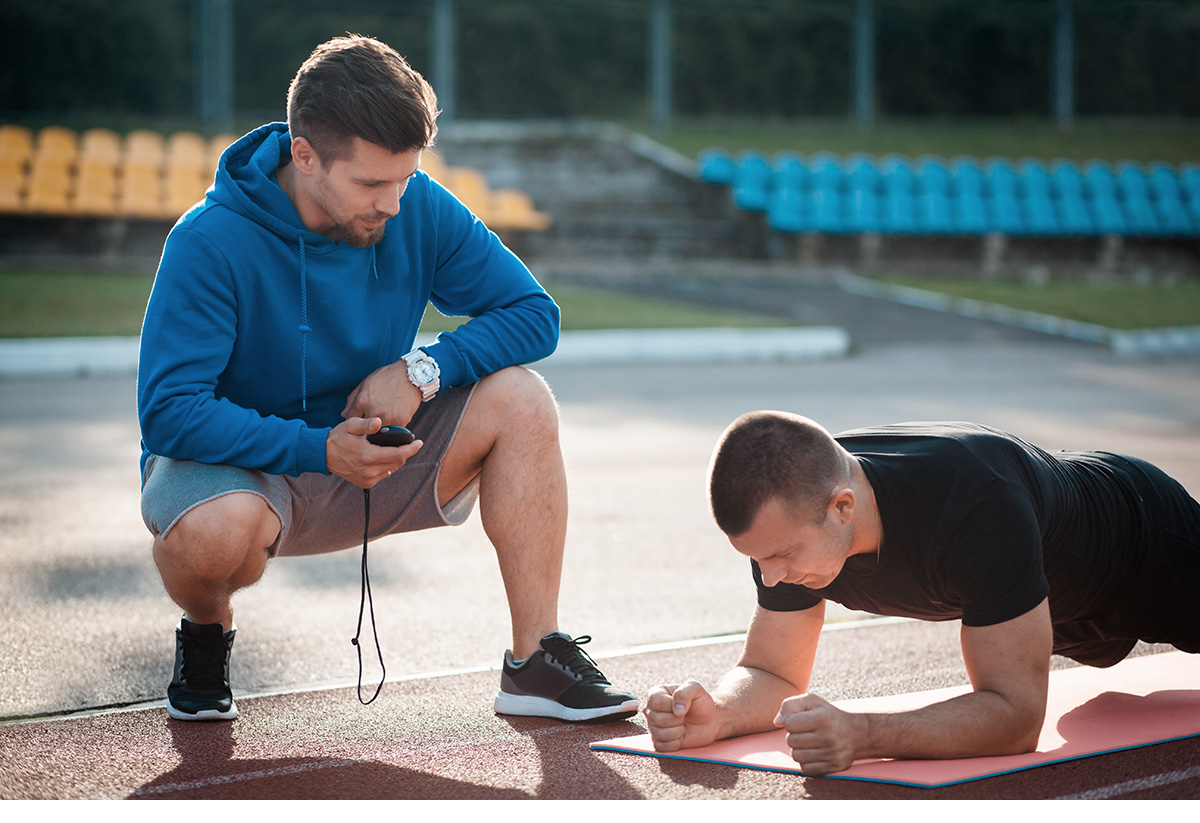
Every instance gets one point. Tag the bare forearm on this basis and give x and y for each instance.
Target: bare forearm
(748, 701)
(973, 725)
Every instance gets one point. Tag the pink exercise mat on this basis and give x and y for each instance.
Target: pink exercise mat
(1138, 702)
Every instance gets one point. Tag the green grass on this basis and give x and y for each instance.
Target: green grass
(1170, 142)
(44, 303)
(1121, 305)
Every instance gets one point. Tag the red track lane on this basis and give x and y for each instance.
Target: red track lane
(437, 738)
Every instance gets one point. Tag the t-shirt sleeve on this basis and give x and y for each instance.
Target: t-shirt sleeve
(782, 597)
(993, 559)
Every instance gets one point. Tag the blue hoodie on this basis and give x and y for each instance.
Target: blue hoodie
(257, 329)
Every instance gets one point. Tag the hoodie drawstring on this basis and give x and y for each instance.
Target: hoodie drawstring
(304, 327)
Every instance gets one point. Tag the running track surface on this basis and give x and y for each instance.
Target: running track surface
(436, 738)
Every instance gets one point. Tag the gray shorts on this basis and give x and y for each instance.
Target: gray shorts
(322, 512)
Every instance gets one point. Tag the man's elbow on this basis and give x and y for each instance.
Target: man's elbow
(1025, 731)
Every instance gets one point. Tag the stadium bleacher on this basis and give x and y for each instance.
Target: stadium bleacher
(57, 172)
(931, 196)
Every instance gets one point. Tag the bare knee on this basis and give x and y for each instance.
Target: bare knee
(517, 396)
(216, 539)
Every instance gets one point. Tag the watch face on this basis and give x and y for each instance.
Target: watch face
(424, 371)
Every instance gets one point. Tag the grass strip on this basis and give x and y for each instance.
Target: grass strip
(52, 303)
(1115, 305)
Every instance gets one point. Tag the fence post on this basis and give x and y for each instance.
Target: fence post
(212, 39)
(659, 65)
(1064, 65)
(444, 59)
(864, 64)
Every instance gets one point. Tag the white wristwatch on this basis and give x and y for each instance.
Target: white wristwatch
(424, 373)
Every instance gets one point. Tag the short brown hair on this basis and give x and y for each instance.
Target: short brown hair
(770, 454)
(356, 86)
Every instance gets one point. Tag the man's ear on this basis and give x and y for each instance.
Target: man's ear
(842, 504)
(304, 156)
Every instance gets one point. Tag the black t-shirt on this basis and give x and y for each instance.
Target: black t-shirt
(980, 525)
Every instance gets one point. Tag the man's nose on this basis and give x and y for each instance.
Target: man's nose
(390, 203)
(772, 573)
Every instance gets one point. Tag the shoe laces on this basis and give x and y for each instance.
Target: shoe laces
(566, 653)
(204, 662)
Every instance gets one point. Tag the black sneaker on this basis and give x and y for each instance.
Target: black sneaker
(561, 681)
(200, 688)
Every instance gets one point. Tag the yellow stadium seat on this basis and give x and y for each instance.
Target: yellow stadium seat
(469, 186)
(99, 145)
(16, 144)
(144, 148)
(187, 148)
(95, 193)
(139, 192)
(48, 189)
(217, 146)
(12, 188)
(185, 186)
(512, 209)
(58, 144)
(433, 165)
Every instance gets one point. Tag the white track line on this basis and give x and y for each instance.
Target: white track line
(1140, 784)
(335, 686)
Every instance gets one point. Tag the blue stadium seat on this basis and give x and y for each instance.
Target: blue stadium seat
(1132, 182)
(969, 213)
(825, 211)
(1140, 216)
(999, 177)
(1032, 179)
(752, 181)
(1040, 217)
(899, 214)
(785, 211)
(862, 174)
(1189, 181)
(967, 176)
(933, 213)
(1074, 217)
(716, 166)
(1164, 183)
(1107, 214)
(825, 172)
(1167, 193)
(789, 171)
(933, 177)
(862, 210)
(1004, 213)
(1065, 179)
(1101, 182)
(896, 173)
(1173, 218)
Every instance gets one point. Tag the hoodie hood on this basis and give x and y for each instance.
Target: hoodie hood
(245, 182)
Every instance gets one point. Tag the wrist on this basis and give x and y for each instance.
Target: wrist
(423, 373)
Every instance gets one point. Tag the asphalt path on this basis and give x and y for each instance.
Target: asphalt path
(88, 644)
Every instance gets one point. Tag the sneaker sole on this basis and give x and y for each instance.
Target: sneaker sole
(524, 705)
(207, 714)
